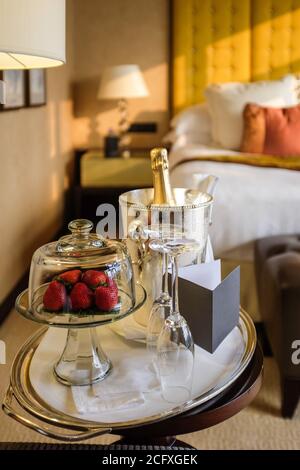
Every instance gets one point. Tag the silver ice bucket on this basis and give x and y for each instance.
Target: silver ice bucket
(191, 211)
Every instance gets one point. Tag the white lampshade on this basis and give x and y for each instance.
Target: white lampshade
(122, 81)
(32, 33)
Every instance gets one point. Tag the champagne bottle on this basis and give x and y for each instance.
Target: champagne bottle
(163, 194)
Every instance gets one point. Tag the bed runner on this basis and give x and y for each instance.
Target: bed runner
(268, 161)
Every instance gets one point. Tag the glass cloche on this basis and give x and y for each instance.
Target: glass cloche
(80, 282)
(82, 278)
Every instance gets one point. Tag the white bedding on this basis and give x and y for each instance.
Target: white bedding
(250, 202)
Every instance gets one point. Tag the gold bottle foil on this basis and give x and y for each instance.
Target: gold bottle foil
(163, 194)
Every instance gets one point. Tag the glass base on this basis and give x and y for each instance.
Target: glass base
(176, 394)
(83, 361)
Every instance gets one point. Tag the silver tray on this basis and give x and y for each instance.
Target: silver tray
(22, 391)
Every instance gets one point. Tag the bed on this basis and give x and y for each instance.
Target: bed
(250, 203)
(224, 41)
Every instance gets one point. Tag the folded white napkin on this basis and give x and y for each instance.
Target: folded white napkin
(86, 402)
(124, 388)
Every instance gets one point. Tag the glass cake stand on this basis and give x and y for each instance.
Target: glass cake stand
(83, 361)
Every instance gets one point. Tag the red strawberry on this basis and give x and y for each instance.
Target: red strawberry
(55, 296)
(111, 282)
(70, 277)
(94, 278)
(106, 297)
(81, 297)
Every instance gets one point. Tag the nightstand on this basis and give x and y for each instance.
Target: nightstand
(102, 180)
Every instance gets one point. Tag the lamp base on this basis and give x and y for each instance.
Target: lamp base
(123, 128)
(123, 120)
(125, 153)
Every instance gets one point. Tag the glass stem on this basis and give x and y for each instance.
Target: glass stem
(165, 286)
(175, 306)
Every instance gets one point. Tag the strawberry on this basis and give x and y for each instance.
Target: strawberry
(70, 277)
(81, 297)
(94, 278)
(111, 282)
(106, 297)
(55, 296)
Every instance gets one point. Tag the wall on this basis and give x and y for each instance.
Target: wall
(119, 32)
(36, 143)
(35, 150)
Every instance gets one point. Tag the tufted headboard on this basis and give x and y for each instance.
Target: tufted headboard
(231, 40)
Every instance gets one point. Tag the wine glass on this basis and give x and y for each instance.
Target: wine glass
(175, 345)
(160, 310)
(162, 305)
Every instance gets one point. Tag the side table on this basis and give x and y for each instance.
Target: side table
(161, 435)
(101, 180)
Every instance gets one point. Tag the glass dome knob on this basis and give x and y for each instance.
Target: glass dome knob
(80, 238)
(80, 227)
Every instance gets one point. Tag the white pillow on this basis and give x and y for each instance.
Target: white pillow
(192, 125)
(179, 140)
(226, 103)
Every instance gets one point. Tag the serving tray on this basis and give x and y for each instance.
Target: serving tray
(241, 343)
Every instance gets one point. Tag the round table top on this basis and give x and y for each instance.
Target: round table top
(218, 409)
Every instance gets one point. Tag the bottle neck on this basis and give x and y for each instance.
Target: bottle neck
(162, 187)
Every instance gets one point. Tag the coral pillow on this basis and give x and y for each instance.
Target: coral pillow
(254, 129)
(273, 131)
(226, 102)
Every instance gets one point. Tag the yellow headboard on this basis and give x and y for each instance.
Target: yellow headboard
(231, 40)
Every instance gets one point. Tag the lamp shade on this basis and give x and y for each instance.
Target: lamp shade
(32, 33)
(122, 81)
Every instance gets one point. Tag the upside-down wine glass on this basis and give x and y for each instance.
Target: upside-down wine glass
(160, 310)
(161, 307)
(175, 345)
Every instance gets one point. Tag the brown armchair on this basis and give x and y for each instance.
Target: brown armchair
(277, 264)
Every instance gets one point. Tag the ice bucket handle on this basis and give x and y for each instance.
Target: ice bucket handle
(135, 232)
(44, 430)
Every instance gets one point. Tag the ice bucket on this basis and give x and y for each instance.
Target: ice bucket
(191, 211)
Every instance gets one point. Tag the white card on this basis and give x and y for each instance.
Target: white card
(207, 275)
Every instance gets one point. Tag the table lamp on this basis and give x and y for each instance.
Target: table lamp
(122, 82)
